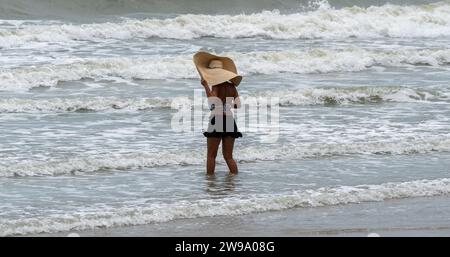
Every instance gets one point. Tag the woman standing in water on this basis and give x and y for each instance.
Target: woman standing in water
(220, 73)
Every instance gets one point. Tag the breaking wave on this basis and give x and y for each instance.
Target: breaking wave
(94, 104)
(356, 95)
(298, 97)
(430, 20)
(141, 159)
(315, 60)
(139, 215)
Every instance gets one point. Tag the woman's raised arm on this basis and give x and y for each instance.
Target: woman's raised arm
(208, 90)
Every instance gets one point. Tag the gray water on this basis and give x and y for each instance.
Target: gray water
(86, 112)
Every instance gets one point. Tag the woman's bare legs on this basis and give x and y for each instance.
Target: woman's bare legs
(227, 151)
(213, 146)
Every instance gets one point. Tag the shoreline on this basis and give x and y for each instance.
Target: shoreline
(424, 216)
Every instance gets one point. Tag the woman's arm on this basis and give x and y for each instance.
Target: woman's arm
(208, 90)
(213, 100)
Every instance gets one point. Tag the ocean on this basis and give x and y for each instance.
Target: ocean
(87, 100)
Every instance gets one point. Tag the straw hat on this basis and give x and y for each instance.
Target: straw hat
(216, 69)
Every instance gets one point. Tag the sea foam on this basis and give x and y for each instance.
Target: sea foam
(141, 159)
(310, 60)
(376, 21)
(289, 97)
(107, 217)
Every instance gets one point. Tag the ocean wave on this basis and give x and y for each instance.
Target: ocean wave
(152, 213)
(93, 104)
(86, 9)
(356, 95)
(389, 20)
(298, 97)
(313, 60)
(141, 159)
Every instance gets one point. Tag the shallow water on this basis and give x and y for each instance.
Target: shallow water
(86, 114)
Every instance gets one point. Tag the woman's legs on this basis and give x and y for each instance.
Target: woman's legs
(213, 146)
(227, 151)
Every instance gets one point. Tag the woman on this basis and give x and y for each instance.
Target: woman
(220, 73)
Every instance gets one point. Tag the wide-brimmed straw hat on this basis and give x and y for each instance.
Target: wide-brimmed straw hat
(216, 69)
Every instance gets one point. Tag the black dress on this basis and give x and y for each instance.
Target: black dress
(222, 128)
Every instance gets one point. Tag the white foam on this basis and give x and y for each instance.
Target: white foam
(24, 105)
(355, 95)
(140, 159)
(299, 97)
(376, 21)
(96, 163)
(19, 79)
(314, 60)
(106, 217)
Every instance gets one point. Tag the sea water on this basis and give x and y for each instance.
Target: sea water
(87, 93)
